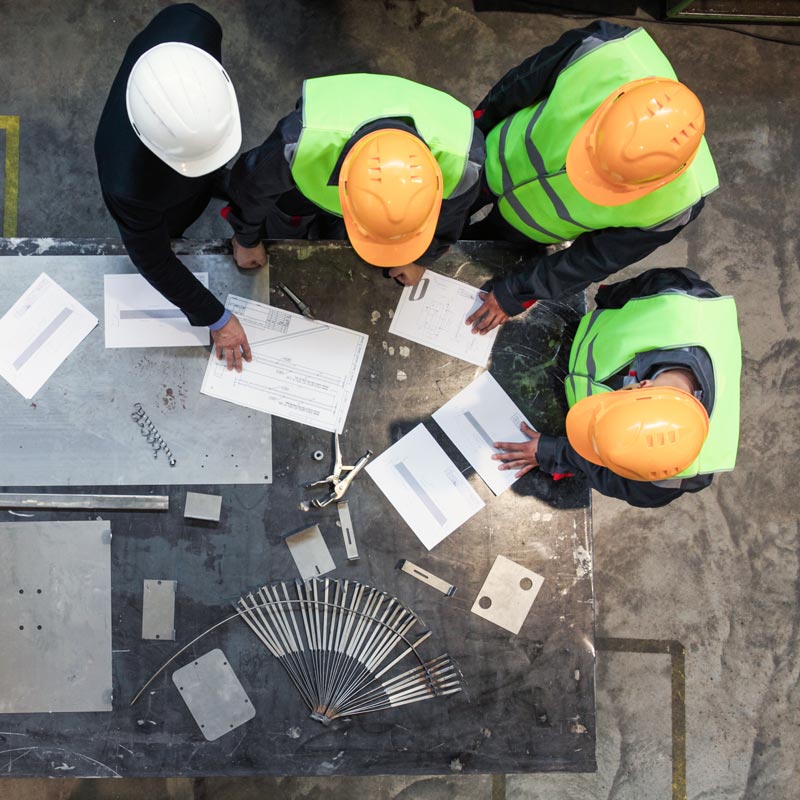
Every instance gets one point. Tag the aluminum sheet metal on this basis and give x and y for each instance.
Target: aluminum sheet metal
(213, 694)
(55, 616)
(78, 431)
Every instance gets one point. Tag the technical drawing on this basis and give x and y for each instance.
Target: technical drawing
(305, 373)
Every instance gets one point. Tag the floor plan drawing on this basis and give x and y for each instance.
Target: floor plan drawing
(303, 370)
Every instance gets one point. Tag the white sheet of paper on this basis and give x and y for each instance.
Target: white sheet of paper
(479, 415)
(425, 486)
(137, 315)
(303, 370)
(38, 333)
(433, 313)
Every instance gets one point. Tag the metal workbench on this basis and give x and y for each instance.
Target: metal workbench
(529, 700)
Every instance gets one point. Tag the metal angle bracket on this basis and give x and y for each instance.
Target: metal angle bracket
(426, 577)
(348, 534)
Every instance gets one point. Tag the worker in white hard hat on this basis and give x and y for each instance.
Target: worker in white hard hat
(169, 127)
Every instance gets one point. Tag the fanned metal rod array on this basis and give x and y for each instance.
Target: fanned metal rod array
(338, 639)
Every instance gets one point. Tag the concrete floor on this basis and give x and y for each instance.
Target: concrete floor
(717, 571)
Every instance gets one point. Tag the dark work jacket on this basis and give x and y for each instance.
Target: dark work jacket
(594, 255)
(151, 202)
(265, 200)
(556, 455)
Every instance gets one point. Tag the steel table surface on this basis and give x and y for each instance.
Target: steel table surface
(529, 700)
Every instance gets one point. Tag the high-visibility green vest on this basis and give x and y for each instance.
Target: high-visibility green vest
(608, 340)
(334, 108)
(526, 153)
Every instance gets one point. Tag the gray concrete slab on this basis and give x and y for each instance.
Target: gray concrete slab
(717, 571)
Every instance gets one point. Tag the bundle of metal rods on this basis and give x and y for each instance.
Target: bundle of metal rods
(338, 640)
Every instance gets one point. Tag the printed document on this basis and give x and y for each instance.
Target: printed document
(476, 418)
(425, 486)
(38, 333)
(433, 313)
(137, 315)
(302, 369)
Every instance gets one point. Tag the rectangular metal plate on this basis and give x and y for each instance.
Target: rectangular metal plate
(507, 594)
(81, 417)
(348, 534)
(202, 506)
(214, 695)
(310, 553)
(158, 609)
(55, 616)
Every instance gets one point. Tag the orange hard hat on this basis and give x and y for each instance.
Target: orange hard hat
(641, 137)
(390, 187)
(647, 434)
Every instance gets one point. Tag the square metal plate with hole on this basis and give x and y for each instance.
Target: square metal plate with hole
(310, 553)
(158, 609)
(55, 616)
(507, 594)
(203, 506)
(214, 695)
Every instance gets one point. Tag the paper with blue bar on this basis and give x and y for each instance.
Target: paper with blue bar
(474, 419)
(425, 486)
(39, 332)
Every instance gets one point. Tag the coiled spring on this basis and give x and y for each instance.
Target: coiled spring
(154, 438)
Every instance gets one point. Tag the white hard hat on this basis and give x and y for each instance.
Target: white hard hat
(182, 106)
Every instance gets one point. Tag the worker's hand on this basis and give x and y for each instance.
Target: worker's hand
(519, 455)
(249, 257)
(408, 275)
(488, 316)
(231, 344)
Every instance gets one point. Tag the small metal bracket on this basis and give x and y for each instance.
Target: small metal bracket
(348, 534)
(426, 577)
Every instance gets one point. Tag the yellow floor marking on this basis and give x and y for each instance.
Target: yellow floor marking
(11, 194)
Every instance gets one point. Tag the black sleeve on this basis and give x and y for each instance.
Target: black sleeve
(534, 78)
(146, 237)
(259, 178)
(591, 258)
(555, 455)
(455, 210)
(654, 281)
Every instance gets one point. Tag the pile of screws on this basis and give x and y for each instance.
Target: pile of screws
(154, 438)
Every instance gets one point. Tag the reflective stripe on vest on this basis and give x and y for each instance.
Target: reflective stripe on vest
(526, 153)
(334, 108)
(609, 339)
